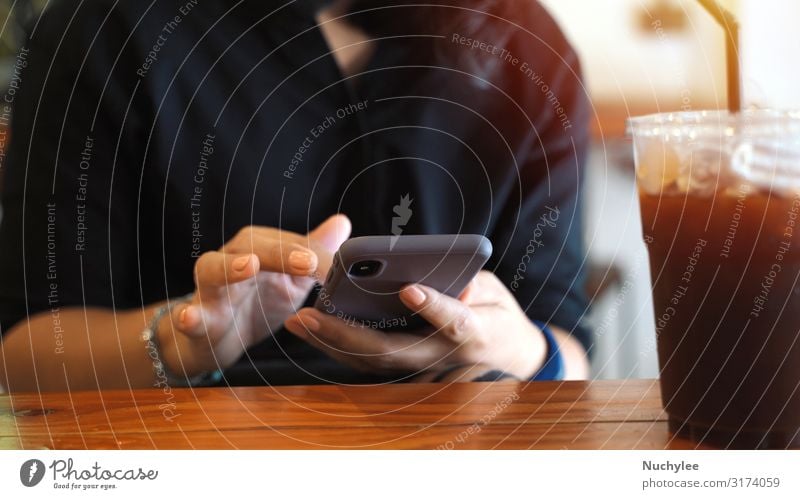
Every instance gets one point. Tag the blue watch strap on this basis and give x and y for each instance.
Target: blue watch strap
(553, 367)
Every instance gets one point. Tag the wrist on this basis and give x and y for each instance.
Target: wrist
(553, 367)
(532, 358)
(177, 358)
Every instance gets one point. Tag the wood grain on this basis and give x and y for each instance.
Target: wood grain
(552, 415)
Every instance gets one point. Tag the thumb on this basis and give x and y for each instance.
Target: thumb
(327, 238)
(450, 316)
(332, 232)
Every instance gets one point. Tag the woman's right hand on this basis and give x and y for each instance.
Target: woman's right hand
(245, 291)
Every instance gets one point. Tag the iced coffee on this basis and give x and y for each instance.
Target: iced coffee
(720, 203)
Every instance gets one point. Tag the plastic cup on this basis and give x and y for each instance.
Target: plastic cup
(720, 203)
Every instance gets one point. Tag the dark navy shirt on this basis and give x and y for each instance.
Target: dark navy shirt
(145, 133)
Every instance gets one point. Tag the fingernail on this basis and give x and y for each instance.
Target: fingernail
(414, 295)
(301, 259)
(309, 322)
(183, 315)
(239, 264)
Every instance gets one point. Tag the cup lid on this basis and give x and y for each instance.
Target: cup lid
(694, 123)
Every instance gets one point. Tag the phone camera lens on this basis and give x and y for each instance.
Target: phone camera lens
(365, 268)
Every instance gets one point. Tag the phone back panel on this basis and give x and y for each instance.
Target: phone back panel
(445, 262)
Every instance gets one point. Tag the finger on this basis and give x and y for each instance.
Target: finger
(382, 351)
(484, 288)
(487, 288)
(276, 255)
(327, 238)
(217, 269)
(468, 293)
(328, 235)
(302, 326)
(321, 243)
(187, 319)
(332, 232)
(342, 336)
(195, 319)
(448, 315)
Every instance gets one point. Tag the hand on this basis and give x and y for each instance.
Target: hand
(485, 325)
(246, 290)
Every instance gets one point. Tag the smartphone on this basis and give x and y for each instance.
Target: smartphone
(368, 273)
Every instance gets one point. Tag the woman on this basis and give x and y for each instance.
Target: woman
(176, 169)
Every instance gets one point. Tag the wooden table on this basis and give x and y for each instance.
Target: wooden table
(544, 415)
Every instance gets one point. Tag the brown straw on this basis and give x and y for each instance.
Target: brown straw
(731, 26)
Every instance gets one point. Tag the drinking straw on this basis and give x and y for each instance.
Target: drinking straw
(731, 27)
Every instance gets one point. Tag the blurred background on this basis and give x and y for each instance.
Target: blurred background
(14, 15)
(648, 56)
(639, 57)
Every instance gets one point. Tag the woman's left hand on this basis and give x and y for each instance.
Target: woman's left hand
(485, 325)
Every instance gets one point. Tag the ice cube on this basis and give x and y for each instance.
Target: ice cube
(703, 172)
(658, 166)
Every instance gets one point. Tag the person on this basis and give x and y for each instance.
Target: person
(179, 173)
